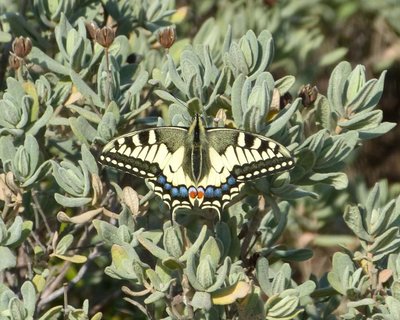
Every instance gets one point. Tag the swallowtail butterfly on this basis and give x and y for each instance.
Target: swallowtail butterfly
(196, 166)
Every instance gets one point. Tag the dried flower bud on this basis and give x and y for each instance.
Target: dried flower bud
(105, 36)
(308, 95)
(21, 46)
(167, 37)
(275, 105)
(91, 28)
(220, 118)
(14, 61)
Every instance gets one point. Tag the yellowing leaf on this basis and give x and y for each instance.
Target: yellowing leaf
(74, 259)
(82, 218)
(229, 294)
(40, 282)
(30, 89)
(180, 15)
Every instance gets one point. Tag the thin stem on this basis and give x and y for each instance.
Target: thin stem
(59, 292)
(107, 95)
(38, 207)
(253, 227)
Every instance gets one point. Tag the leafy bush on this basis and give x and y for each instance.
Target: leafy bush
(77, 86)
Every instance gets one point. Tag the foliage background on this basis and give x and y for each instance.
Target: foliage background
(310, 39)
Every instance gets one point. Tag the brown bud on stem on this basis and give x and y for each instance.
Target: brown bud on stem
(105, 36)
(21, 47)
(167, 37)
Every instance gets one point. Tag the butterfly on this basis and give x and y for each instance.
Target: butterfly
(196, 166)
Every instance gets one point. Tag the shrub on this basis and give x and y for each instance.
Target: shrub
(76, 86)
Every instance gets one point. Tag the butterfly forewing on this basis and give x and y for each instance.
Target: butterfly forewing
(144, 153)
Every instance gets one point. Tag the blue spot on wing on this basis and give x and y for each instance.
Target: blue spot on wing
(174, 192)
(167, 186)
(161, 180)
(183, 191)
(209, 193)
(231, 181)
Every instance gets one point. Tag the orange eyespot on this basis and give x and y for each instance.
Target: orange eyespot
(200, 193)
(192, 193)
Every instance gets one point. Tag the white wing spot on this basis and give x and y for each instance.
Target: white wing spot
(278, 166)
(270, 169)
(231, 158)
(178, 177)
(241, 156)
(256, 155)
(121, 140)
(135, 140)
(108, 159)
(271, 153)
(279, 155)
(152, 152)
(128, 152)
(122, 149)
(166, 196)
(216, 203)
(152, 137)
(128, 166)
(176, 203)
(216, 160)
(142, 172)
(176, 159)
(256, 173)
(121, 164)
(143, 153)
(248, 175)
(135, 152)
(113, 161)
(161, 154)
(284, 164)
(135, 169)
(271, 145)
(264, 155)
(290, 162)
(248, 155)
(113, 150)
(240, 177)
(256, 143)
(241, 142)
(263, 170)
(165, 161)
